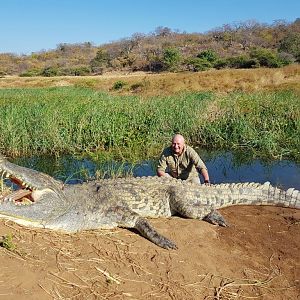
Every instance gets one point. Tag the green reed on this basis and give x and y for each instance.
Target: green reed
(80, 120)
(263, 124)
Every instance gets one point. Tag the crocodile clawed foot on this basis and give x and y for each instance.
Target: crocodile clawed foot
(166, 243)
(216, 218)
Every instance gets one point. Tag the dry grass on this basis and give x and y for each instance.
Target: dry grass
(108, 265)
(169, 83)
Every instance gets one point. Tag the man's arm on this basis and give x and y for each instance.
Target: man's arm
(162, 166)
(200, 166)
(205, 175)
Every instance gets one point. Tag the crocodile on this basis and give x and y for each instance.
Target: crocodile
(126, 202)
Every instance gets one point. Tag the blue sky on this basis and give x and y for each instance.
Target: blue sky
(33, 25)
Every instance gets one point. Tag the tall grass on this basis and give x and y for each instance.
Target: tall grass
(76, 120)
(72, 120)
(264, 124)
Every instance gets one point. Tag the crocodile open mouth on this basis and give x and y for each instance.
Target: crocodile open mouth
(21, 195)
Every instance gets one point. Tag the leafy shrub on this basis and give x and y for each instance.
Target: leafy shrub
(291, 44)
(221, 63)
(209, 55)
(31, 73)
(118, 85)
(266, 57)
(171, 59)
(242, 62)
(155, 65)
(49, 72)
(286, 58)
(197, 64)
(80, 71)
(7, 242)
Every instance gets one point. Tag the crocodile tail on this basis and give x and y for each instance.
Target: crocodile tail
(272, 195)
(289, 198)
(258, 194)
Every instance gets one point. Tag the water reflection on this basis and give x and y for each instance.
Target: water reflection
(223, 167)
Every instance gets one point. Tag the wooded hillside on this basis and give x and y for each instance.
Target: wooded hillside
(243, 45)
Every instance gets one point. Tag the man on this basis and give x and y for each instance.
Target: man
(182, 162)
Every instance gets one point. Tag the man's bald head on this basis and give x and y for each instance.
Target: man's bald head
(178, 144)
(178, 137)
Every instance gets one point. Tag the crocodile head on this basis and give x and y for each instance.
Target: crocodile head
(45, 198)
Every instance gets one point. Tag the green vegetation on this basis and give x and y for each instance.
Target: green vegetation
(7, 242)
(264, 124)
(171, 59)
(291, 44)
(118, 85)
(80, 120)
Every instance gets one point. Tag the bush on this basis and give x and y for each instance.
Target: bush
(155, 65)
(197, 64)
(286, 58)
(31, 73)
(266, 57)
(221, 63)
(242, 62)
(171, 59)
(49, 72)
(208, 55)
(80, 71)
(118, 85)
(291, 44)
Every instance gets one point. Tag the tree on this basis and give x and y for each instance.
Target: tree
(100, 62)
(163, 31)
(171, 59)
(291, 44)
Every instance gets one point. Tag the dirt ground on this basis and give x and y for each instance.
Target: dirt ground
(258, 257)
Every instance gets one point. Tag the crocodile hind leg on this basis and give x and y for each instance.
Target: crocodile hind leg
(202, 212)
(197, 210)
(214, 217)
(125, 217)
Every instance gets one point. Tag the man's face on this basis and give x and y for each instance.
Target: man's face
(178, 145)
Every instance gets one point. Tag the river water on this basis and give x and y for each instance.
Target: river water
(222, 166)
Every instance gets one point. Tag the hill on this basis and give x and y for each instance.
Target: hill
(243, 45)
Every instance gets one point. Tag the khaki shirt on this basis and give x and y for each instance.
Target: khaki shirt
(184, 166)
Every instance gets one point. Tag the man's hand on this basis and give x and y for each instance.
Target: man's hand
(207, 182)
(163, 174)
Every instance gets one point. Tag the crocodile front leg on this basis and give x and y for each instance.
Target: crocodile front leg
(125, 217)
(147, 231)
